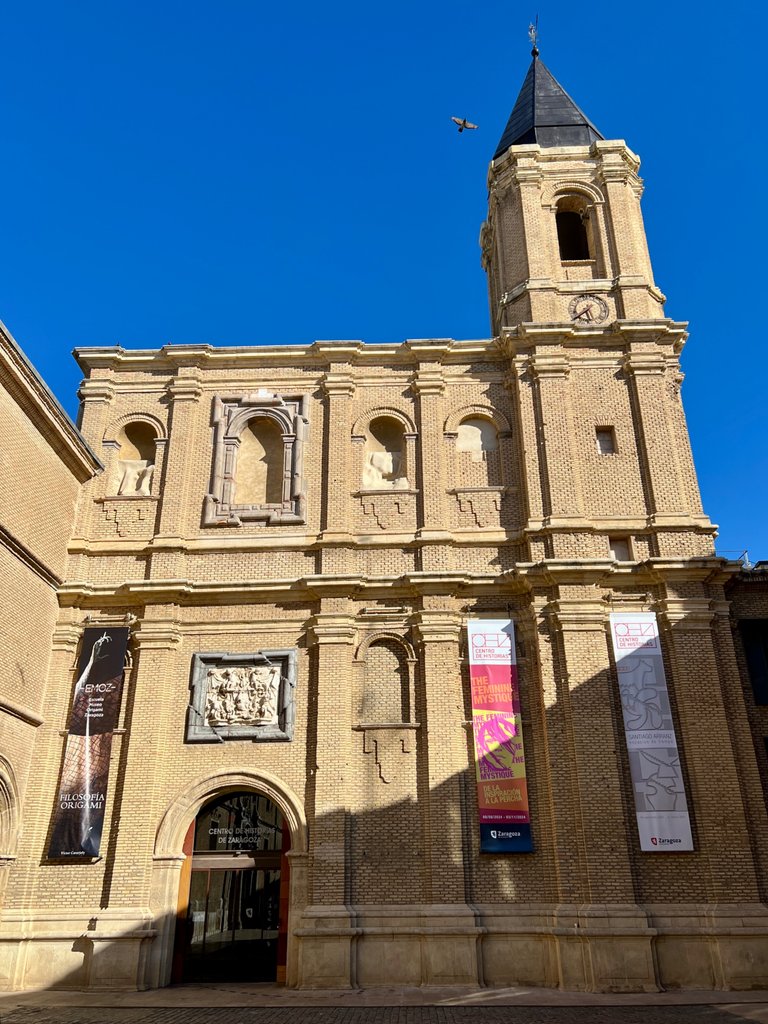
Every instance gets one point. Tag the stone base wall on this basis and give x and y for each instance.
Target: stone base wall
(583, 949)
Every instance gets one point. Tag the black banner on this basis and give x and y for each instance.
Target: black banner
(78, 819)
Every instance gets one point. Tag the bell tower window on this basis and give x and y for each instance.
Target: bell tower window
(572, 235)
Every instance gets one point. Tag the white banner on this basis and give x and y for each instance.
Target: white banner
(657, 780)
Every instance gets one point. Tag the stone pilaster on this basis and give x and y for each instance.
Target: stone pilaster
(167, 560)
(438, 632)
(97, 398)
(638, 297)
(429, 386)
(139, 793)
(327, 952)
(339, 388)
(598, 904)
(561, 485)
(657, 447)
(583, 721)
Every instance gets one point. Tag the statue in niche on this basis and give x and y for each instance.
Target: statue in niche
(383, 467)
(135, 476)
(381, 471)
(243, 696)
(136, 461)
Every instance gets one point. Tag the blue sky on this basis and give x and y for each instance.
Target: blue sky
(251, 173)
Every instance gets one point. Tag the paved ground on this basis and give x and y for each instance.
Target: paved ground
(706, 1014)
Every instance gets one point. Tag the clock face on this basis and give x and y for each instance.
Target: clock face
(588, 309)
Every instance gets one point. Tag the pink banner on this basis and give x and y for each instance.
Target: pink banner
(502, 791)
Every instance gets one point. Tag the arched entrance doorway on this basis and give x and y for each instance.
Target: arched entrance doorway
(233, 899)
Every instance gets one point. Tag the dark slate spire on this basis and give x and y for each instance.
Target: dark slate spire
(545, 114)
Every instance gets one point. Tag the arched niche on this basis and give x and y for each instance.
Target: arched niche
(9, 821)
(259, 478)
(386, 693)
(137, 442)
(257, 460)
(386, 437)
(479, 438)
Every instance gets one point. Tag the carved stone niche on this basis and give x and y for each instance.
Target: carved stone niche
(242, 696)
(257, 460)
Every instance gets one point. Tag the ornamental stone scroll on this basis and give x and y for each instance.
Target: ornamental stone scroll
(242, 696)
(258, 460)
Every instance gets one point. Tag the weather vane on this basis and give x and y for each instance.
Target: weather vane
(533, 35)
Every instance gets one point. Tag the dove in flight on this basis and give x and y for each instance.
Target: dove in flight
(463, 123)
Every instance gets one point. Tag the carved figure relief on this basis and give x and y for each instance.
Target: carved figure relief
(136, 459)
(136, 476)
(383, 464)
(242, 696)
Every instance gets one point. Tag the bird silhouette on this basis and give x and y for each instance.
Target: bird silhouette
(463, 123)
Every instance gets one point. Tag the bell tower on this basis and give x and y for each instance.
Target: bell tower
(595, 373)
(564, 239)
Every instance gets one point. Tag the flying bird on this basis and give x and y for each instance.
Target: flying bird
(463, 123)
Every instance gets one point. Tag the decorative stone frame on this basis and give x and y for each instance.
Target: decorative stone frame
(230, 416)
(199, 731)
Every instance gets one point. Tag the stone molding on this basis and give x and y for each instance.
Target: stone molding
(231, 416)
(184, 807)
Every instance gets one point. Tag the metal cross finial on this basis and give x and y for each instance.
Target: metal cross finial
(533, 35)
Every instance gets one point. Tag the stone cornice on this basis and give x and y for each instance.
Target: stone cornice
(429, 381)
(667, 334)
(318, 354)
(572, 616)
(338, 385)
(157, 635)
(304, 589)
(690, 614)
(41, 409)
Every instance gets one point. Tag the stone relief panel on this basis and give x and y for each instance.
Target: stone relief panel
(242, 696)
(258, 460)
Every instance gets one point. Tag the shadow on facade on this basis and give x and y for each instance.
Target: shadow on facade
(407, 863)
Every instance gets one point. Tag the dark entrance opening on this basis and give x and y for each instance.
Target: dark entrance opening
(232, 926)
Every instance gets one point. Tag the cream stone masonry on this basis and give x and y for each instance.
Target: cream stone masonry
(350, 507)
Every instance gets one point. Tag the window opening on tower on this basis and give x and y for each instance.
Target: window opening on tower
(572, 235)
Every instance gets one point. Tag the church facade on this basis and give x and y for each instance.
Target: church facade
(254, 738)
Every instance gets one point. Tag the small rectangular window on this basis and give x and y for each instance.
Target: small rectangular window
(606, 440)
(754, 636)
(620, 549)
